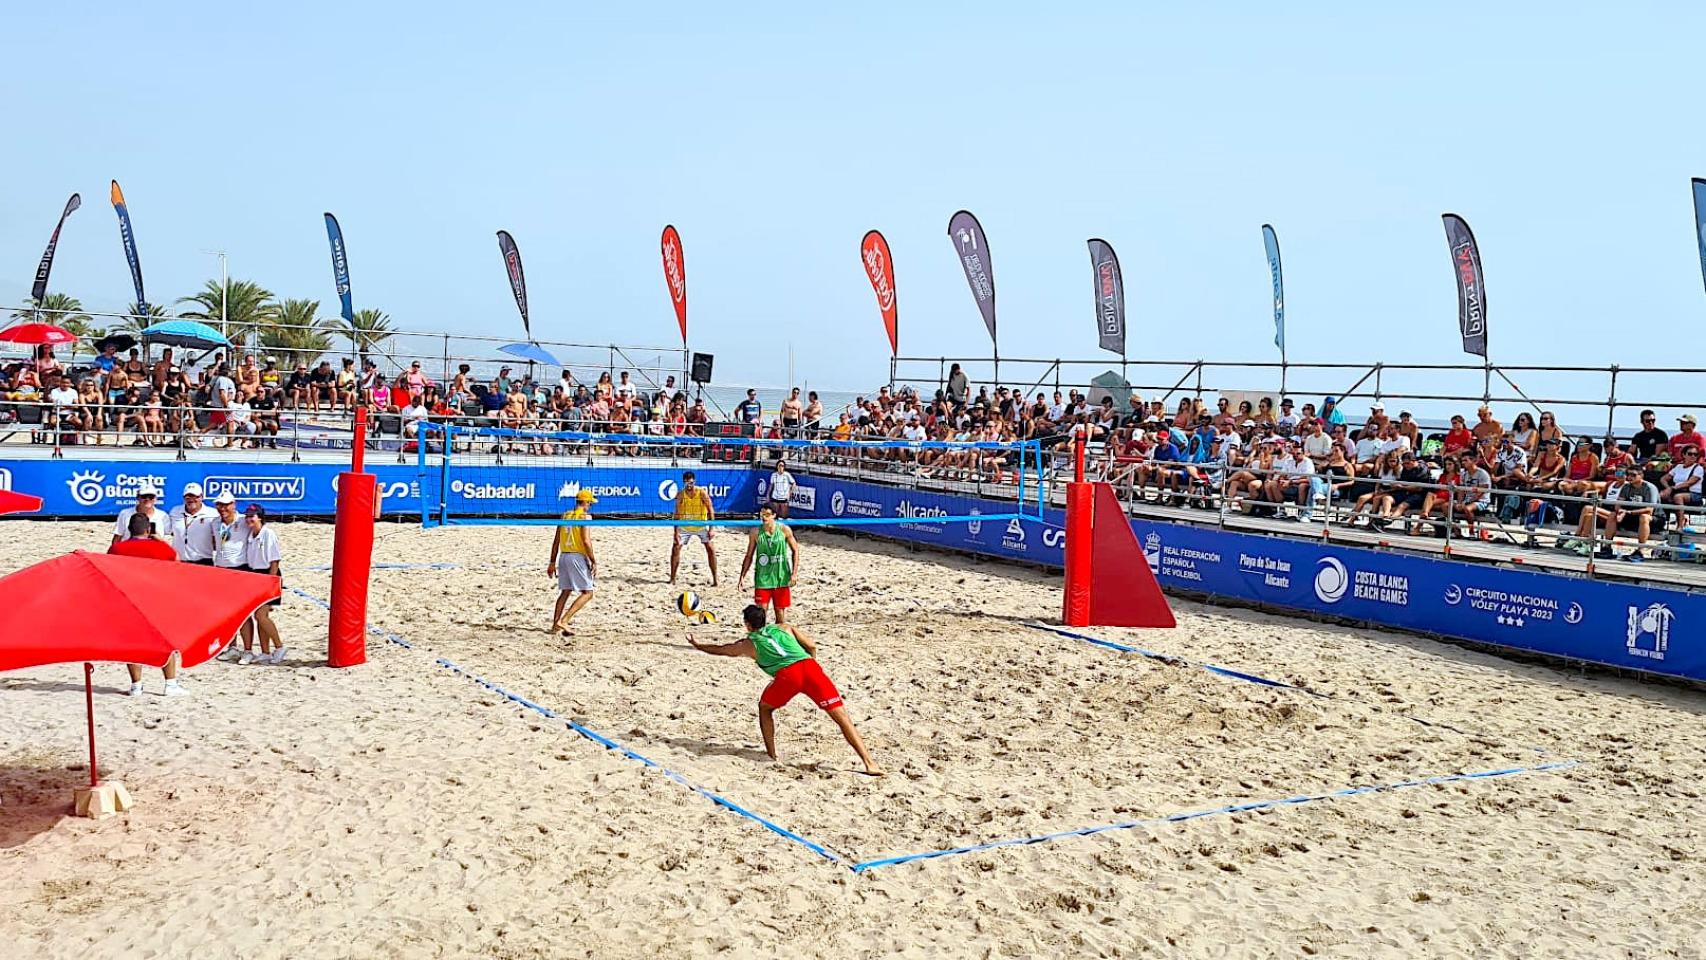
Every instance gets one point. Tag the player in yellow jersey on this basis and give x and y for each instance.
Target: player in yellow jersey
(573, 564)
(692, 502)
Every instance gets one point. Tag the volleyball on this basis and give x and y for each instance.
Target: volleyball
(706, 616)
(687, 603)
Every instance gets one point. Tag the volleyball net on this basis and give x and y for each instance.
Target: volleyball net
(498, 476)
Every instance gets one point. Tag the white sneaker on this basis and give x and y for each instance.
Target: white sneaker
(277, 656)
(247, 658)
(136, 689)
(173, 689)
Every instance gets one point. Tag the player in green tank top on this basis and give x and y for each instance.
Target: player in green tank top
(789, 657)
(773, 546)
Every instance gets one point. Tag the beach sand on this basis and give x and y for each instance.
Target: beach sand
(401, 810)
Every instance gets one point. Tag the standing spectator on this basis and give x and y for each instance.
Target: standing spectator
(139, 542)
(750, 410)
(158, 520)
(959, 387)
(781, 489)
(63, 401)
(1687, 436)
(1651, 440)
(793, 414)
(262, 553)
(193, 527)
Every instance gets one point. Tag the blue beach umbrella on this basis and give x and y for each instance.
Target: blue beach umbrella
(192, 334)
(531, 352)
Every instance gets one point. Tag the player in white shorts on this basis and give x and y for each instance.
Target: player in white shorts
(693, 502)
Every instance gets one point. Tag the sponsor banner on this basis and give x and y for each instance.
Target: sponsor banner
(1270, 241)
(1110, 297)
(675, 276)
(100, 488)
(1471, 287)
(517, 280)
(340, 268)
(1699, 220)
(879, 269)
(128, 236)
(1613, 623)
(973, 250)
(38, 290)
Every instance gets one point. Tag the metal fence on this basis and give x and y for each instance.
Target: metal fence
(1594, 400)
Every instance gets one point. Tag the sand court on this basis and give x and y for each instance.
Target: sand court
(991, 729)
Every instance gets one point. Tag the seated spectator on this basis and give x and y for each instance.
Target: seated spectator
(1524, 434)
(413, 414)
(1330, 412)
(1612, 463)
(265, 412)
(271, 377)
(1683, 485)
(1581, 475)
(383, 402)
(1459, 439)
(1486, 428)
(1410, 489)
(1549, 429)
(1631, 507)
(1409, 429)
(299, 388)
(1292, 479)
(324, 384)
(248, 378)
(1651, 440)
(91, 409)
(63, 401)
(240, 426)
(1686, 436)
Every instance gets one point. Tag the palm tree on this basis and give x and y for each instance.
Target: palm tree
(366, 330)
(135, 321)
(296, 332)
(61, 310)
(236, 310)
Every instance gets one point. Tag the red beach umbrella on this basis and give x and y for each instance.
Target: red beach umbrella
(12, 502)
(37, 333)
(128, 610)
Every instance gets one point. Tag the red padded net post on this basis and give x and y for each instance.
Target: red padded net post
(1108, 581)
(352, 557)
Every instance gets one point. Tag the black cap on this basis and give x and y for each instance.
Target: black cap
(256, 510)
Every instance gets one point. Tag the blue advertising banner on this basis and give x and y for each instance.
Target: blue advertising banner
(1270, 241)
(340, 267)
(100, 488)
(1632, 626)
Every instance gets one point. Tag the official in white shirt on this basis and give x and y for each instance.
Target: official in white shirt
(147, 498)
(781, 489)
(193, 526)
(263, 552)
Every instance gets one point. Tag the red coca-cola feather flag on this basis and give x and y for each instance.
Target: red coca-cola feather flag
(879, 269)
(675, 277)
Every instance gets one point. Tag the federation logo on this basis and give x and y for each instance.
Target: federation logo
(1152, 551)
(838, 503)
(1331, 580)
(1574, 614)
(1453, 594)
(1649, 631)
(975, 527)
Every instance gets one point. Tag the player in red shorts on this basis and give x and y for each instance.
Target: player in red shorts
(778, 554)
(788, 657)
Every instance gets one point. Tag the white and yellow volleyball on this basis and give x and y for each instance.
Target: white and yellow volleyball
(688, 603)
(706, 616)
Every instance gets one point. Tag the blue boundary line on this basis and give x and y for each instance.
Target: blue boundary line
(1247, 677)
(863, 866)
(602, 741)
(1218, 811)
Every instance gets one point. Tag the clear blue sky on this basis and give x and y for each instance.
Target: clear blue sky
(774, 135)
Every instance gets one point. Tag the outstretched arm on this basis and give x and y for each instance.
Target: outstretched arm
(740, 648)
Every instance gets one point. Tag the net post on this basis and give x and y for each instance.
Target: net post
(1078, 455)
(352, 556)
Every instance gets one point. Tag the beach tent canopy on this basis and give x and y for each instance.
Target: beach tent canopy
(1111, 384)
